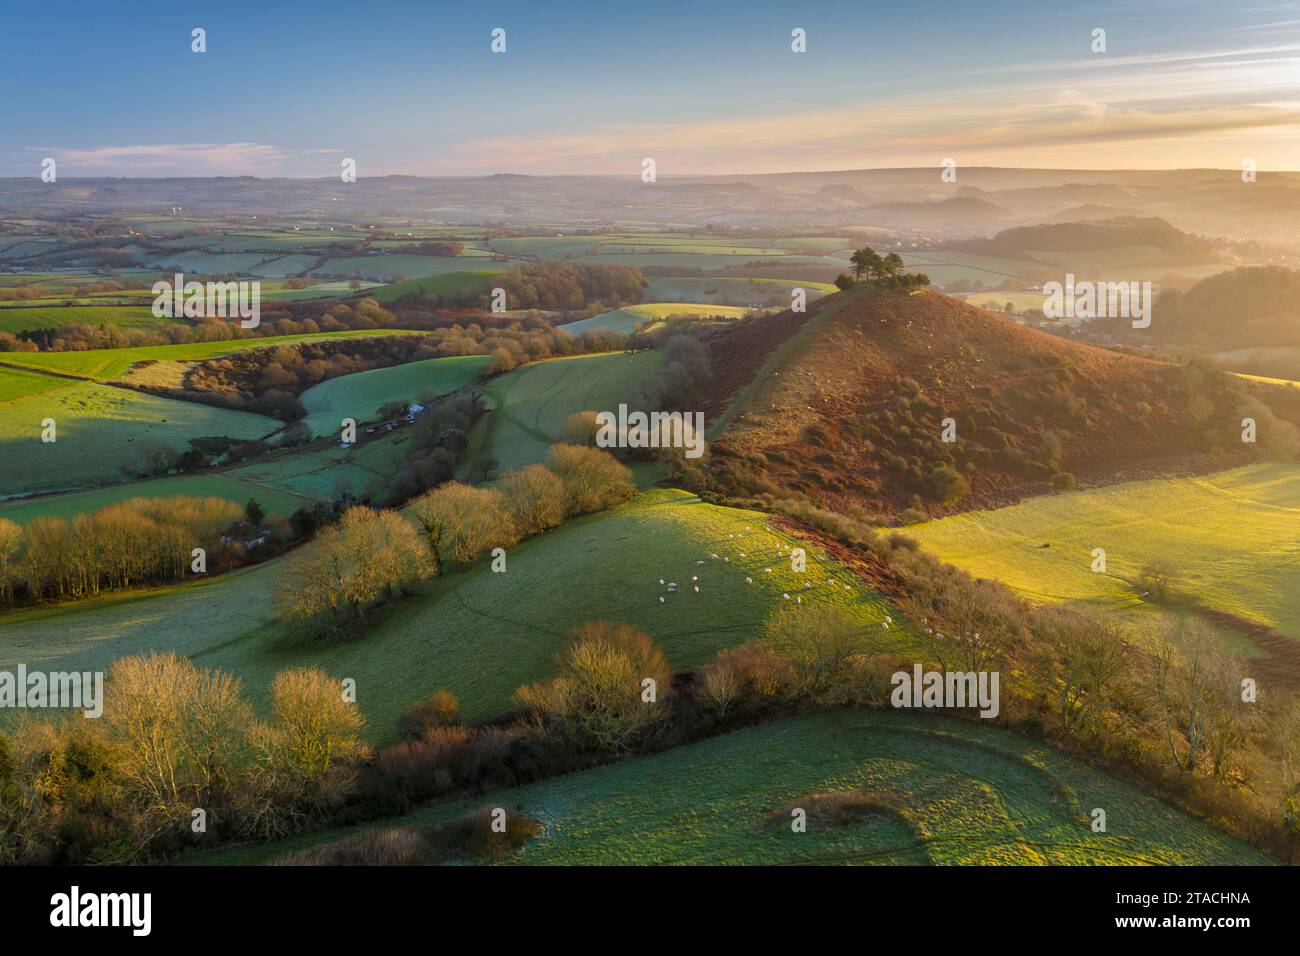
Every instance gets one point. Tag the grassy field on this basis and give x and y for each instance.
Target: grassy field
(390, 266)
(274, 500)
(475, 632)
(324, 473)
(16, 384)
(729, 291)
(108, 364)
(1233, 534)
(100, 431)
(361, 394)
(956, 793)
(448, 283)
(22, 319)
(529, 405)
(632, 317)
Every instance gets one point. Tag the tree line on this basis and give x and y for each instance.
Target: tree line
(143, 541)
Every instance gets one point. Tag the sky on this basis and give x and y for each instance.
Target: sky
(113, 87)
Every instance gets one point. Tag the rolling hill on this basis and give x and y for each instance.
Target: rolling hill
(851, 403)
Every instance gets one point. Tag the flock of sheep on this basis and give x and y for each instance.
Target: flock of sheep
(671, 587)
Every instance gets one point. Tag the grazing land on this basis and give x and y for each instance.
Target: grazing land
(927, 790)
(361, 394)
(102, 433)
(474, 632)
(1231, 535)
(528, 406)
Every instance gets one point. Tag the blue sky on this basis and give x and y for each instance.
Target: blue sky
(112, 88)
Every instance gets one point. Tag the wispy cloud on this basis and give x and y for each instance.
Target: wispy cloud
(182, 159)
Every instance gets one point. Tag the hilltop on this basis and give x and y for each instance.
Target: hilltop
(847, 404)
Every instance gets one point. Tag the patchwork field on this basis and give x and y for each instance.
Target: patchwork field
(648, 314)
(529, 405)
(447, 283)
(360, 395)
(102, 432)
(750, 293)
(478, 633)
(936, 791)
(1234, 536)
(390, 266)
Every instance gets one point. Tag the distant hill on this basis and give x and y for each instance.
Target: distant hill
(1123, 231)
(846, 404)
(960, 211)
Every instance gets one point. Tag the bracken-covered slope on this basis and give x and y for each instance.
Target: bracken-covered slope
(847, 403)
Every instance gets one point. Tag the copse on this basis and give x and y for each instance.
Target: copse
(128, 544)
(351, 567)
(592, 479)
(460, 522)
(534, 496)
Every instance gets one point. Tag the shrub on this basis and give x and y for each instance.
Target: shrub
(581, 428)
(439, 709)
(599, 701)
(349, 568)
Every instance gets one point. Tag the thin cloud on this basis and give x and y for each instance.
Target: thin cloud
(177, 159)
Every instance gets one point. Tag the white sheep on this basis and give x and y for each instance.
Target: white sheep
(786, 596)
(749, 580)
(697, 589)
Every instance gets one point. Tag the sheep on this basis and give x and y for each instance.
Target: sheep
(661, 581)
(695, 577)
(749, 580)
(768, 570)
(786, 596)
(662, 599)
(697, 589)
